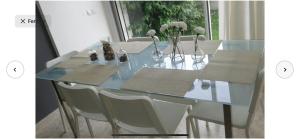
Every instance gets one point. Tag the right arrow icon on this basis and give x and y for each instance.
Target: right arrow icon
(284, 69)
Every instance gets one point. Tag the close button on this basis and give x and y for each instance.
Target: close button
(15, 69)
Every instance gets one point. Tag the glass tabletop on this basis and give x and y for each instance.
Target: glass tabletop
(207, 90)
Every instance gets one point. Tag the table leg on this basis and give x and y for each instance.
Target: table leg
(227, 120)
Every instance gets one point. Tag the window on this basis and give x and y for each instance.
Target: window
(137, 17)
(214, 16)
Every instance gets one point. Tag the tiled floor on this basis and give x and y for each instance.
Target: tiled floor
(51, 127)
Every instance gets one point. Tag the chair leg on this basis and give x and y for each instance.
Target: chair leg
(118, 129)
(76, 125)
(89, 127)
(61, 116)
(191, 122)
(247, 132)
(197, 126)
(115, 128)
(196, 132)
(188, 128)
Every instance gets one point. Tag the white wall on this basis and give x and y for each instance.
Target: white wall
(73, 29)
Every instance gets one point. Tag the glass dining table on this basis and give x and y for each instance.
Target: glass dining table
(226, 93)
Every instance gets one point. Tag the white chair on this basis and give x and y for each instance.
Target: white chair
(140, 114)
(139, 39)
(51, 63)
(83, 101)
(213, 112)
(262, 100)
(262, 94)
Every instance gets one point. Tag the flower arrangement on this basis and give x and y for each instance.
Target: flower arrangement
(155, 39)
(174, 27)
(199, 33)
(151, 32)
(198, 53)
(174, 30)
(199, 30)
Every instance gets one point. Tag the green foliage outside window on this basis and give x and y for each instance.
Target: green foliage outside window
(215, 24)
(145, 15)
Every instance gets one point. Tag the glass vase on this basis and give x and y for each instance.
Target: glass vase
(157, 54)
(198, 54)
(122, 55)
(177, 53)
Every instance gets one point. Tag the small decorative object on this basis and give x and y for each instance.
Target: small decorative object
(108, 51)
(174, 30)
(122, 55)
(205, 85)
(93, 55)
(198, 54)
(157, 54)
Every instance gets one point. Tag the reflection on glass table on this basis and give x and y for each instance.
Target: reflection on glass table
(217, 91)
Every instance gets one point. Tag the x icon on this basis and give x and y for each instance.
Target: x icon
(22, 20)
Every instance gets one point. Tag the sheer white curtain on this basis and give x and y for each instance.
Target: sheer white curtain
(241, 20)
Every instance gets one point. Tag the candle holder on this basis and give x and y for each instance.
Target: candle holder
(122, 55)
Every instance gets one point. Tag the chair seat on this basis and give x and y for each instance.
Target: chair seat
(170, 114)
(213, 112)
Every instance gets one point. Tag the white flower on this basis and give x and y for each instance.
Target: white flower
(201, 37)
(174, 24)
(199, 30)
(163, 27)
(182, 25)
(151, 32)
(156, 39)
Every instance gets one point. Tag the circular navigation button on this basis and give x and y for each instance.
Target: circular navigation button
(15, 69)
(284, 69)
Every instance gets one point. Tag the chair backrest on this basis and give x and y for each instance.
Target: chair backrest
(84, 99)
(59, 59)
(139, 39)
(259, 83)
(261, 61)
(134, 113)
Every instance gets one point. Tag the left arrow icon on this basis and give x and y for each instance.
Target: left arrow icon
(15, 69)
